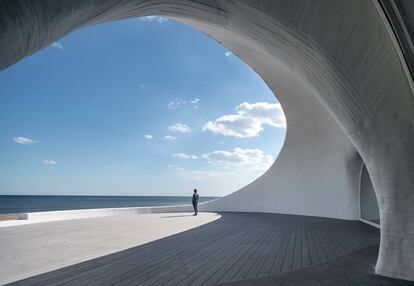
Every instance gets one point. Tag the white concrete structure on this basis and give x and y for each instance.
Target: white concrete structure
(39, 217)
(340, 69)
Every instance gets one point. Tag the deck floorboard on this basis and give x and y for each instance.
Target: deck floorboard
(236, 247)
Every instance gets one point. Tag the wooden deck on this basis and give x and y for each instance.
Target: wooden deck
(238, 246)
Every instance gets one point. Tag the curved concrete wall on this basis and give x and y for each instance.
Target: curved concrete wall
(316, 172)
(339, 73)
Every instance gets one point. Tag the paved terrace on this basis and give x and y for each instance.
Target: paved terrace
(211, 249)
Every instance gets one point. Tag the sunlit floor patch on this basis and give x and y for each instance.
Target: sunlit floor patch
(30, 250)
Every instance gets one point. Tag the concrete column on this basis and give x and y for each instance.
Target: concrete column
(386, 145)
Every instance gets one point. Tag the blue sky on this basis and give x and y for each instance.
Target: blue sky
(135, 107)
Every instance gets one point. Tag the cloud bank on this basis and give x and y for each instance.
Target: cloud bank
(179, 127)
(239, 163)
(240, 159)
(249, 120)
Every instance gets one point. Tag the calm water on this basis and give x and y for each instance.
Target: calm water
(22, 204)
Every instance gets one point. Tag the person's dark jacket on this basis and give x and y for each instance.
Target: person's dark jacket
(195, 199)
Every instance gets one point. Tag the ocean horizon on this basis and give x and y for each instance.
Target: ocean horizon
(12, 204)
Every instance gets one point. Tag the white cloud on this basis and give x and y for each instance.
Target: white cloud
(148, 136)
(195, 102)
(184, 156)
(177, 102)
(179, 127)
(169, 138)
(24, 140)
(246, 160)
(49, 162)
(159, 19)
(241, 165)
(228, 54)
(57, 45)
(248, 120)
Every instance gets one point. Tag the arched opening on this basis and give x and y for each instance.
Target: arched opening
(124, 112)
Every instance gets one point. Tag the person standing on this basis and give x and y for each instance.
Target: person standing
(195, 202)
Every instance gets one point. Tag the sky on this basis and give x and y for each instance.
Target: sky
(143, 106)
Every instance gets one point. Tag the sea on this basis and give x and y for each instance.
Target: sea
(22, 204)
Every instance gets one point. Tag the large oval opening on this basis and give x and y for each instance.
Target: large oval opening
(138, 107)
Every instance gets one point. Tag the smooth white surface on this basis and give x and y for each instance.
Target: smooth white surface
(39, 217)
(316, 172)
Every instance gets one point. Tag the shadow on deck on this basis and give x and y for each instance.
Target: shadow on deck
(238, 246)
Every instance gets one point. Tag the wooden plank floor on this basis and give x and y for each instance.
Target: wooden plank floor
(238, 246)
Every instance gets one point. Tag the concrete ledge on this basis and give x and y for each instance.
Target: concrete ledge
(38, 217)
(7, 217)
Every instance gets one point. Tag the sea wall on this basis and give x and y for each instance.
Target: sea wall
(39, 217)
